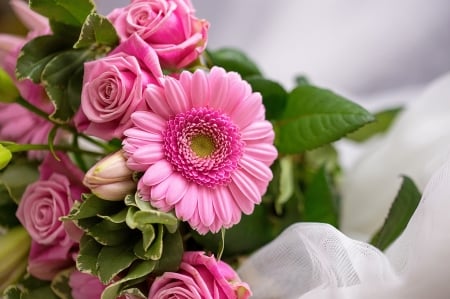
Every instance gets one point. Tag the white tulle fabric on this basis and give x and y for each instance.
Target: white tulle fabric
(313, 260)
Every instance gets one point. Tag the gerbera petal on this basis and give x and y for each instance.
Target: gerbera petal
(156, 173)
(143, 135)
(222, 204)
(156, 100)
(186, 207)
(218, 87)
(149, 154)
(244, 113)
(200, 89)
(148, 121)
(238, 90)
(205, 206)
(247, 186)
(178, 188)
(244, 203)
(158, 192)
(256, 168)
(175, 95)
(264, 152)
(257, 131)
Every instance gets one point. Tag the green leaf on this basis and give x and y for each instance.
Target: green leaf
(105, 232)
(64, 11)
(233, 60)
(23, 169)
(57, 78)
(137, 271)
(150, 249)
(97, 30)
(88, 255)
(286, 183)
(172, 254)
(154, 216)
(402, 209)
(314, 117)
(8, 89)
(114, 259)
(93, 206)
(320, 201)
(35, 55)
(274, 95)
(382, 123)
(60, 284)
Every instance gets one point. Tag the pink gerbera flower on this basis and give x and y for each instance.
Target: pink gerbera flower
(205, 148)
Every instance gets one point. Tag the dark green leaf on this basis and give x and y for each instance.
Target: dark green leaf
(315, 117)
(402, 209)
(64, 11)
(114, 259)
(274, 95)
(97, 30)
(35, 55)
(68, 32)
(172, 253)
(383, 121)
(321, 201)
(93, 206)
(57, 78)
(87, 258)
(104, 231)
(233, 60)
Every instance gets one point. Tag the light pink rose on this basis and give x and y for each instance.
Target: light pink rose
(200, 277)
(113, 88)
(43, 203)
(169, 26)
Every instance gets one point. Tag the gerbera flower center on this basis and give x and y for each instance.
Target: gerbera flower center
(204, 145)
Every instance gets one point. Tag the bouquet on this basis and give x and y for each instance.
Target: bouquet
(138, 163)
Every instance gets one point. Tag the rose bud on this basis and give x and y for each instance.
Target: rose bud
(110, 178)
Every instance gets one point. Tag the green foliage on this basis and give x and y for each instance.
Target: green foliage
(132, 234)
(8, 90)
(382, 123)
(314, 117)
(321, 201)
(30, 288)
(403, 207)
(233, 60)
(97, 30)
(67, 12)
(274, 96)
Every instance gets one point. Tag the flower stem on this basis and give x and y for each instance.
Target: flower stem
(14, 148)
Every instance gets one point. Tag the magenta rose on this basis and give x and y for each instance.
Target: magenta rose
(54, 242)
(169, 26)
(199, 277)
(113, 88)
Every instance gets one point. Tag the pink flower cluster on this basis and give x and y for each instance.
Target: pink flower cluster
(194, 143)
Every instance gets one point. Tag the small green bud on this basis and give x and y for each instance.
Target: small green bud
(8, 90)
(5, 157)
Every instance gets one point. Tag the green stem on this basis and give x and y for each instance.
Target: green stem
(21, 101)
(14, 148)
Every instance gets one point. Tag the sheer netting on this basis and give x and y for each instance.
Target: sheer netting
(313, 260)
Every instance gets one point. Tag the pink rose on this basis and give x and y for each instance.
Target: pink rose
(113, 88)
(42, 204)
(17, 123)
(200, 277)
(85, 286)
(169, 26)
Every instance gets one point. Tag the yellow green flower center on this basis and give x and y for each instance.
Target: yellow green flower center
(202, 145)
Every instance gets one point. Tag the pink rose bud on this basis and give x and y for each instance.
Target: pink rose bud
(110, 178)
